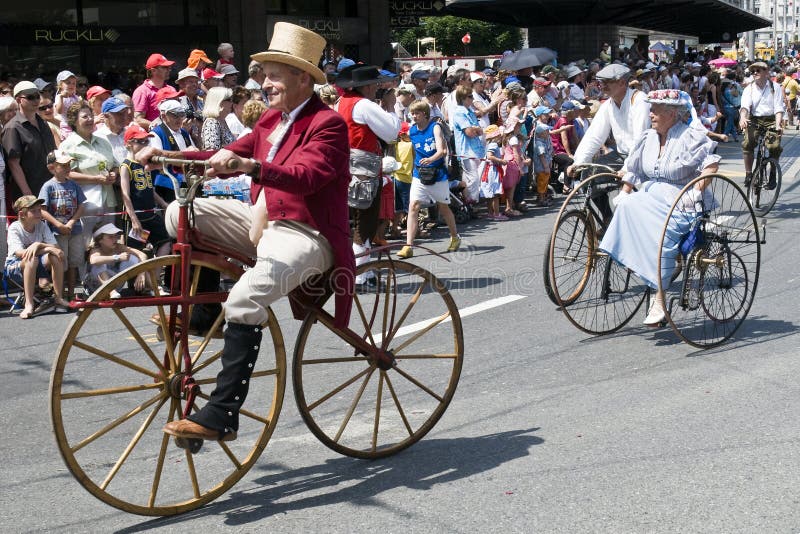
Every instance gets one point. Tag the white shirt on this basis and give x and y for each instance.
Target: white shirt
(117, 142)
(762, 102)
(21, 239)
(626, 122)
(234, 124)
(382, 123)
(676, 82)
(155, 141)
(483, 120)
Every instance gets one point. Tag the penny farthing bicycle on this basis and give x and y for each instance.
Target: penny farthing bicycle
(368, 391)
(712, 284)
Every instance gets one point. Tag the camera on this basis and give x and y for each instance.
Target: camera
(193, 114)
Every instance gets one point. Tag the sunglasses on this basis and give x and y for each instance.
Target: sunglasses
(45, 107)
(140, 141)
(5, 91)
(37, 96)
(177, 113)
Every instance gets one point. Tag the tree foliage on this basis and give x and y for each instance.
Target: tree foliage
(487, 38)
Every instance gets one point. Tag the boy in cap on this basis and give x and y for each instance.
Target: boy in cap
(64, 206)
(32, 254)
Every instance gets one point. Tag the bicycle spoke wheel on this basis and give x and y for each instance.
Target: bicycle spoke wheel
(115, 384)
(762, 198)
(350, 399)
(708, 302)
(597, 295)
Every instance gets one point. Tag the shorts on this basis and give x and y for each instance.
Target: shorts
(74, 247)
(402, 191)
(153, 223)
(750, 135)
(13, 269)
(438, 192)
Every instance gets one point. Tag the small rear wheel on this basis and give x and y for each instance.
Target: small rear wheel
(354, 402)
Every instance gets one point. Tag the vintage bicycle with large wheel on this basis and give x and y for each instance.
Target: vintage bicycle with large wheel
(369, 390)
(711, 288)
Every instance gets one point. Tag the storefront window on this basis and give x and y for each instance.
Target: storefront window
(31, 62)
(133, 13)
(44, 13)
(310, 8)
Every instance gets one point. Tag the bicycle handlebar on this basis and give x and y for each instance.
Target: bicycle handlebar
(599, 166)
(232, 165)
(185, 195)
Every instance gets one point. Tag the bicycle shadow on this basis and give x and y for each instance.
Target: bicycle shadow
(347, 480)
(753, 331)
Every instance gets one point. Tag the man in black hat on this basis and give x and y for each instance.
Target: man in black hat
(368, 125)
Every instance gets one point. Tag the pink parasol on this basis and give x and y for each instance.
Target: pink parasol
(722, 62)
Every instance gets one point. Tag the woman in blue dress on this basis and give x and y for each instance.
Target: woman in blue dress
(667, 157)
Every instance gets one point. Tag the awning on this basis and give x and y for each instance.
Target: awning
(708, 20)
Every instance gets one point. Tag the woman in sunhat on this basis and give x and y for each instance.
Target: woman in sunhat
(665, 158)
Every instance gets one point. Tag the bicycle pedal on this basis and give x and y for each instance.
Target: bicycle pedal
(193, 445)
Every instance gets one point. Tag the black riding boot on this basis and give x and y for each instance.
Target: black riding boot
(239, 355)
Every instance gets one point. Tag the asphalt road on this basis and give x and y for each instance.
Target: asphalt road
(550, 430)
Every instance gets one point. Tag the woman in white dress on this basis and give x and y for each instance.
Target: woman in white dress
(665, 158)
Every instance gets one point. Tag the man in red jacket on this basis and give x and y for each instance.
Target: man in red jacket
(298, 156)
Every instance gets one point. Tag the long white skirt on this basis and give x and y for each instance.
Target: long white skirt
(634, 234)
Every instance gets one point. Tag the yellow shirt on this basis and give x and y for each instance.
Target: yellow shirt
(405, 156)
(790, 85)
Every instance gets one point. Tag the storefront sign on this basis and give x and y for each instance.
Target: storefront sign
(406, 13)
(350, 30)
(102, 35)
(75, 36)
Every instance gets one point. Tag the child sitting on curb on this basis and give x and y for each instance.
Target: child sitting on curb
(108, 257)
(32, 253)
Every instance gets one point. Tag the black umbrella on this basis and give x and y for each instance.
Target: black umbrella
(527, 57)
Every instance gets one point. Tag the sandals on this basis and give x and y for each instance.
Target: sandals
(513, 213)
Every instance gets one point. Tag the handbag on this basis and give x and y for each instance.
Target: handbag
(427, 175)
(365, 182)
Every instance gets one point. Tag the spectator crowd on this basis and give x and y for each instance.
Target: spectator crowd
(76, 207)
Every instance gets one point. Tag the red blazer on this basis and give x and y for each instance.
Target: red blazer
(307, 181)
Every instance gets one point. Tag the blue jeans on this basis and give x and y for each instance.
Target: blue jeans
(731, 119)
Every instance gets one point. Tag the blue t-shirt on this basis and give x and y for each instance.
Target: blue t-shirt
(467, 147)
(424, 143)
(62, 200)
(542, 146)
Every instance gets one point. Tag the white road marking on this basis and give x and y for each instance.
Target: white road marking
(465, 312)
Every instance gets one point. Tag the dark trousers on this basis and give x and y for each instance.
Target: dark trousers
(365, 222)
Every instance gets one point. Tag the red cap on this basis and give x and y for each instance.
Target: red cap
(166, 93)
(134, 131)
(541, 82)
(158, 60)
(211, 73)
(96, 90)
(404, 128)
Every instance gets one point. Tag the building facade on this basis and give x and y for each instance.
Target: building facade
(109, 40)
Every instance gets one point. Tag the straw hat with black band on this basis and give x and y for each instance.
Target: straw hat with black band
(297, 47)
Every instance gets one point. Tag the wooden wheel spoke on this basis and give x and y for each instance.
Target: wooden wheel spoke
(192, 473)
(345, 359)
(193, 287)
(435, 322)
(404, 316)
(115, 359)
(217, 355)
(340, 388)
(364, 321)
(153, 278)
(207, 338)
(378, 411)
(162, 453)
(256, 374)
(399, 407)
(110, 391)
(124, 320)
(353, 405)
(118, 421)
(388, 317)
(417, 383)
(427, 357)
(132, 444)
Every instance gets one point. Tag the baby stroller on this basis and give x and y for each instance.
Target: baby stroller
(461, 209)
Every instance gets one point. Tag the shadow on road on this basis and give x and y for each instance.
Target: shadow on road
(346, 480)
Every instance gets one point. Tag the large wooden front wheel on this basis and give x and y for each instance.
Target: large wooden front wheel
(356, 404)
(115, 384)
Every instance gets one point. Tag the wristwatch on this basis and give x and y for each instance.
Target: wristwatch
(116, 257)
